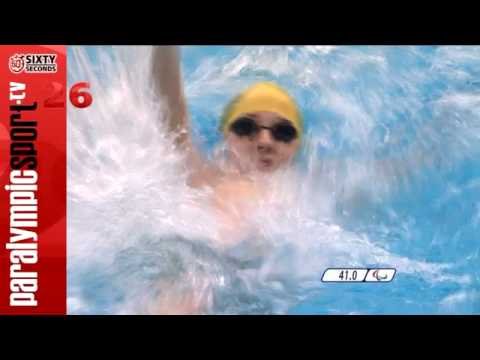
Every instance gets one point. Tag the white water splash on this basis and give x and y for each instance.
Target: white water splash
(127, 189)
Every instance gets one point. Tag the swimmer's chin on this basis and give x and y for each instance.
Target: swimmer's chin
(266, 165)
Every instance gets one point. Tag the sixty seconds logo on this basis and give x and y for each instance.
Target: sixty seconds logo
(33, 63)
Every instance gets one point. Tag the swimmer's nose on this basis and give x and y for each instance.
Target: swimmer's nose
(264, 141)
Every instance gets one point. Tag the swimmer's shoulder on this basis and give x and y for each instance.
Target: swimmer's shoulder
(205, 175)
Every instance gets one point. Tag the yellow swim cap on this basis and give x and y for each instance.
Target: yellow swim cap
(263, 96)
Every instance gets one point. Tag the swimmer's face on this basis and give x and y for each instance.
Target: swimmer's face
(271, 144)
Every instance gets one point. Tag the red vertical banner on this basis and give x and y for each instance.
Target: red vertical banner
(32, 180)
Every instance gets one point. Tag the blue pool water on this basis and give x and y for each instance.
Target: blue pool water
(389, 175)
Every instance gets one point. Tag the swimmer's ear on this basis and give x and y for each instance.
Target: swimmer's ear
(227, 112)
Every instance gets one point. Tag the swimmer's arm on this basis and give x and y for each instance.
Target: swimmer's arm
(167, 83)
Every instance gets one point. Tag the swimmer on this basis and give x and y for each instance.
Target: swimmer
(262, 128)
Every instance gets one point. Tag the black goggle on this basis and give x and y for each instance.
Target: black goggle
(282, 131)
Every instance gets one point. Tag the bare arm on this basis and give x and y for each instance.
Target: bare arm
(167, 84)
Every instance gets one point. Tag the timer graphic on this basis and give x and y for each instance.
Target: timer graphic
(337, 275)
